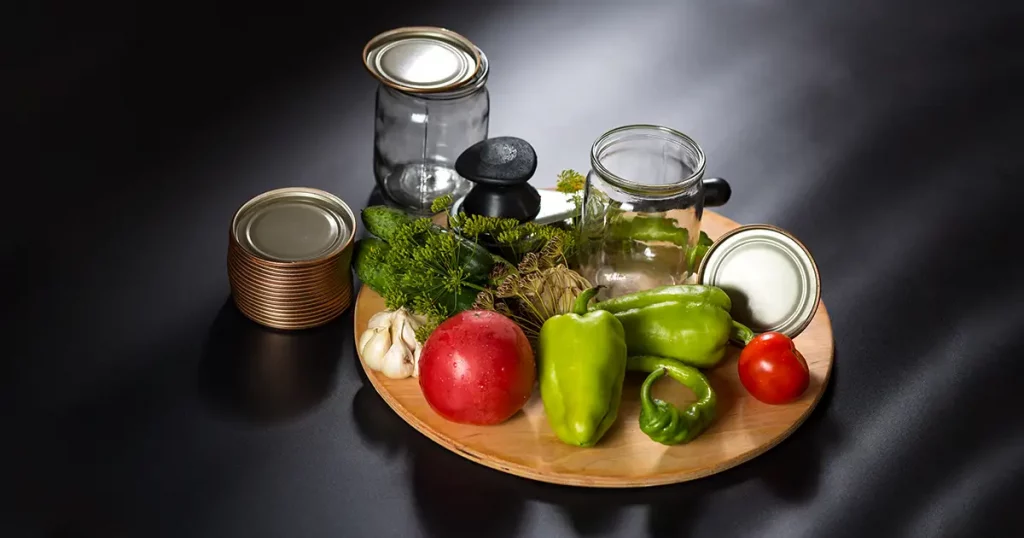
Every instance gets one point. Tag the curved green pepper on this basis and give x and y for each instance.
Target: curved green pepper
(678, 293)
(582, 361)
(664, 422)
(690, 323)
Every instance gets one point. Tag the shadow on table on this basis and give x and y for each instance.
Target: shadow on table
(263, 375)
(790, 470)
(453, 496)
(456, 497)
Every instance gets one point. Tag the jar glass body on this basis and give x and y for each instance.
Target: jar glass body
(642, 206)
(418, 137)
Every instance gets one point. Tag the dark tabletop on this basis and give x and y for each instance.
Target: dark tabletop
(885, 135)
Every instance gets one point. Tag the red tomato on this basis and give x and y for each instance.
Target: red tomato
(477, 367)
(772, 370)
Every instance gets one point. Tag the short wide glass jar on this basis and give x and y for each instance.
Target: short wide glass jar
(642, 206)
(432, 103)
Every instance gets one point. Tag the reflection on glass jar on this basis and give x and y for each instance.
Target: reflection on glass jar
(432, 104)
(418, 138)
(642, 207)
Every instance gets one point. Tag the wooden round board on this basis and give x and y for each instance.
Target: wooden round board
(526, 446)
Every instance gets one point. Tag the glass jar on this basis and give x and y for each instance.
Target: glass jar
(432, 103)
(642, 204)
(417, 139)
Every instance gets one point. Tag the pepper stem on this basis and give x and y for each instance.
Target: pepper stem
(583, 299)
(741, 334)
(646, 402)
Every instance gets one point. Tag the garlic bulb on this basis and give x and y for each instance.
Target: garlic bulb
(373, 344)
(389, 343)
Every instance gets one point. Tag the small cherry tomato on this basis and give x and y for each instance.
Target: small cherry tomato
(772, 370)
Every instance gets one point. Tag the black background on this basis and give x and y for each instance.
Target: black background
(885, 135)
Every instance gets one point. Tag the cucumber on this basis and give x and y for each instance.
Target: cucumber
(368, 273)
(382, 221)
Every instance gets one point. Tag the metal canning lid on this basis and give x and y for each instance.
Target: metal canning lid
(473, 85)
(769, 275)
(294, 225)
(422, 59)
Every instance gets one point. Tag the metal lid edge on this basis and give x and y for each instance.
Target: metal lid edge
(461, 39)
(738, 230)
(308, 190)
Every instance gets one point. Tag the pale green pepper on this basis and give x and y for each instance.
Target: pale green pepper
(582, 367)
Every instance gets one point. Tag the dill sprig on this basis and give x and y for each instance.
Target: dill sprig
(513, 238)
(539, 287)
(570, 182)
(422, 270)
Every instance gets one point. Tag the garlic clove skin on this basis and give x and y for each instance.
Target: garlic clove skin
(364, 338)
(376, 346)
(421, 320)
(381, 319)
(416, 320)
(397, 326)
(397, 362)
(409, 334)
(416, 360)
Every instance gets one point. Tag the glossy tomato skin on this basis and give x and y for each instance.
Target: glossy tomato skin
(477, 367)
(772, 370)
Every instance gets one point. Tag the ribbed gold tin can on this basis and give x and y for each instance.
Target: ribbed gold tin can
(289, 258)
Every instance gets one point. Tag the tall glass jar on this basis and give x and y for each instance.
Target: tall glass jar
(642, 206)
(431, 105)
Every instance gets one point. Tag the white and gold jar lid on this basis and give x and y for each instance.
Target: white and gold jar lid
(423, 59)
(769, 275)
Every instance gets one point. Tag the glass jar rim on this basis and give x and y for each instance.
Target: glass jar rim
(608, 139)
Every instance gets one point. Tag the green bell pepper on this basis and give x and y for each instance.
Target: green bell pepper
(690, 323)
(582, 358)
(664, 422)
(679, 293)
(648, 228)
(652, 228)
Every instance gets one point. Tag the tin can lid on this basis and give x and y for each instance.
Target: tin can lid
(769, 275)
(473, 85)
(422, 59)
(293, 225)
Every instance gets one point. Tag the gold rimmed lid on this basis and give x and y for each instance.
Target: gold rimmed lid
(296, 225)
(770, 276)
(422, 59)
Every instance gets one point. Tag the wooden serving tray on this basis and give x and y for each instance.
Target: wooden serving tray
(526, 446)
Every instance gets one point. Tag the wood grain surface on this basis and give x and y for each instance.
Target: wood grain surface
(526, 446)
